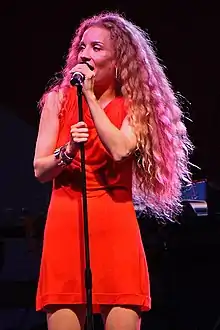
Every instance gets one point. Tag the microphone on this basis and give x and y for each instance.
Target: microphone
(78, 77)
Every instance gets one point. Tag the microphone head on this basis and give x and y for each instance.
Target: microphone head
(77, 79)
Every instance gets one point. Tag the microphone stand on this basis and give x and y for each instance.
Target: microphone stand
(88, 272)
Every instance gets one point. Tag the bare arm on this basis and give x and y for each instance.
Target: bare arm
(119, 142)
(45, 164)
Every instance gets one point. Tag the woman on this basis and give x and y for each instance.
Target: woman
(132, 124)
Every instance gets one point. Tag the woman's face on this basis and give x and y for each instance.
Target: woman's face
(96, 48)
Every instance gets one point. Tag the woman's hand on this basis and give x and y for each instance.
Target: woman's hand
(78, 134)
(88, 83)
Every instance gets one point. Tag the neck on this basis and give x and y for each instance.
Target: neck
(104, 94)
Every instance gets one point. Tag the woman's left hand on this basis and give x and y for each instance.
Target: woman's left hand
(88, 83)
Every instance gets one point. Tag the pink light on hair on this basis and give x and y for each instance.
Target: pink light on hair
(163, 148)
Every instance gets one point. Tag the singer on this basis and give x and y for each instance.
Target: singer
(137, 151)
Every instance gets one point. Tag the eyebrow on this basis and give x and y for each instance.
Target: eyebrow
(93, 42)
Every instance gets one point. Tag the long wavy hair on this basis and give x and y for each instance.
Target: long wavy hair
(163, 146)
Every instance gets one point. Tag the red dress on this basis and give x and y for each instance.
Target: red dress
(119, 268)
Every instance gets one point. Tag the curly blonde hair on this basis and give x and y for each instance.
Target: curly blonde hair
(163, 146)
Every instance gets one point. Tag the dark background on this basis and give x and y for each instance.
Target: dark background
(183, 260)
(36, 37)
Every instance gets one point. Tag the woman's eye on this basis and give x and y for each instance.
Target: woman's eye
(96, 48)
(81, 48)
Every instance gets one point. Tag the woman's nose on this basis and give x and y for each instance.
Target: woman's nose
(85, 58)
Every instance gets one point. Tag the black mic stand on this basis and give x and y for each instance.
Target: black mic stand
(88, 272)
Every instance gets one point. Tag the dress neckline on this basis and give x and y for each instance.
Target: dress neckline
(110, 102)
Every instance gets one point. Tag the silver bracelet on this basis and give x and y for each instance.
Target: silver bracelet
(60, 153)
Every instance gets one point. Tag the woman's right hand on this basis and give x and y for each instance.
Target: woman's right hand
(78, 134)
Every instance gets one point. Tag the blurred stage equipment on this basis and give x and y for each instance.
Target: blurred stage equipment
(194, 199)
(213, 198)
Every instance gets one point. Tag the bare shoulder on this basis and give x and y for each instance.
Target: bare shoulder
(52, 103)
(126, 127)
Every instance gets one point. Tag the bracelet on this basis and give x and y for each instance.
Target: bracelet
(60, 153)
(64, 157)
(63, 152)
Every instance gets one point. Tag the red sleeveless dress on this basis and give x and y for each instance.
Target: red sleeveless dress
(118, 264)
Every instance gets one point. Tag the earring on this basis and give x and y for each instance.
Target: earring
(116, 73)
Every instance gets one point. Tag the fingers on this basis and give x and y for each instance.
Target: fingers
(85, 69)
(79, 132)
(80, 124)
